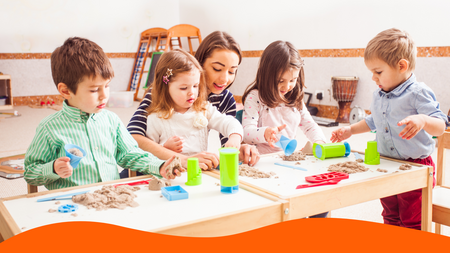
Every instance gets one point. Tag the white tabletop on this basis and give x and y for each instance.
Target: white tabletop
(153, 212)
(288, 179)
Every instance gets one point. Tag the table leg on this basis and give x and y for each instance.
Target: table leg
(427, 202)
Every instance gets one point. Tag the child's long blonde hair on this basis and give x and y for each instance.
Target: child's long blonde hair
(178, 61)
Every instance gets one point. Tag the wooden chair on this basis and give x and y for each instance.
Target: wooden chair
(441, 193)
(183, 30)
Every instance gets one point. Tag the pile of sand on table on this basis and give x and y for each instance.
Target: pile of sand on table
(296, 156)
(109, 197)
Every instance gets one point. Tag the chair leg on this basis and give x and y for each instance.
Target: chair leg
(190, 46)
(179, 43)
(32, 188)
(437, 228)
(131, 173)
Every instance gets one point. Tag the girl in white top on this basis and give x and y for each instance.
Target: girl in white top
(273, 103)
(180, 108)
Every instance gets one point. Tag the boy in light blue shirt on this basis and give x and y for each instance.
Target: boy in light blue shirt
(405, 115)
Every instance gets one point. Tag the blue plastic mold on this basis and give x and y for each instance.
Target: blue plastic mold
(68, 208)
(229, 189)
(175, 192)
(347, 148)
(74, 160)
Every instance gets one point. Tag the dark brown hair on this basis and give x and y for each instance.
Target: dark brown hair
(217, 40)
(178, 61)
(76, 59)
(277, 58)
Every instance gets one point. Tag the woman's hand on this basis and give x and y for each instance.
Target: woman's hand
(206, 160)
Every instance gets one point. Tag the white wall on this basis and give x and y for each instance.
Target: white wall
(319, 24)
(42, 25)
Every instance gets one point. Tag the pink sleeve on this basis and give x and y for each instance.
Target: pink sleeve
(310, 127)
(252, 133)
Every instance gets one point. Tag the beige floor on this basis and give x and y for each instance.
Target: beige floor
(17, 133)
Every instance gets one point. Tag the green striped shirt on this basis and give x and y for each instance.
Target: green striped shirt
(102, 135)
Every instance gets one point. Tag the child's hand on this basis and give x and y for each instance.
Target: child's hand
(62, 167)
(206, 160)
(341, 134)
(177, 172)
(234, 141)
(414, 124)
(271, 134)
(174, 143)
(249, 154)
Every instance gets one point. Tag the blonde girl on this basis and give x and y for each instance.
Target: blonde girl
(180, 106)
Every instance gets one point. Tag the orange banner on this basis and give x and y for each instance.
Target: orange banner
(318, 235)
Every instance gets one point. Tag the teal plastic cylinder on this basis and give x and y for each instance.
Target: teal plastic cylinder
(229, 167)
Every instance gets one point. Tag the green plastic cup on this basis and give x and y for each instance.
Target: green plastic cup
(329, 150)
(194, 172)
(371, 156)
(229, 170)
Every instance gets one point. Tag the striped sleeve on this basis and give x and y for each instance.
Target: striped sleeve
(39, 159)
(138, 123)
(228, 104)
(225, 104)
(130, 156)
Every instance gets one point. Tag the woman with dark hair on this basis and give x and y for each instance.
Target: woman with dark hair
(219, 55)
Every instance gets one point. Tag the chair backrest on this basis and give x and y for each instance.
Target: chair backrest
(443, 144)
(183, 30)
(156, 33)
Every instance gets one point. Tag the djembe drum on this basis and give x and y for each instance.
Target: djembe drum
(344, 90)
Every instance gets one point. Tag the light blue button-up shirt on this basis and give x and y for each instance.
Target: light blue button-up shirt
(388, 108)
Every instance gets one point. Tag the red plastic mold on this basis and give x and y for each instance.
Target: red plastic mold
(326, 177)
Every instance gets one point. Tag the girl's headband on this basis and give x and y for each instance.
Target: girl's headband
(167, 76)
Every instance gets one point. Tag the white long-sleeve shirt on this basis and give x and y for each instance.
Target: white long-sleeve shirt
(258, 116)
(182, 124)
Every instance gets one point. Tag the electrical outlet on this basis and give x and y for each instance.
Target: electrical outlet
(317, 96)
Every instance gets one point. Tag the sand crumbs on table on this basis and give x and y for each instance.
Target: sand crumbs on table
(405, 167)
(247, 171)
(347, 167)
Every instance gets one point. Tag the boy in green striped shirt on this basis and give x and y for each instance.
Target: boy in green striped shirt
(82, 72)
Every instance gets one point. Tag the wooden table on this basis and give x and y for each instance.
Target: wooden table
(207, 211)
(358, 188)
